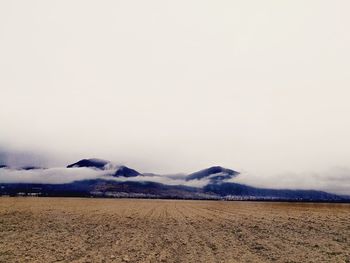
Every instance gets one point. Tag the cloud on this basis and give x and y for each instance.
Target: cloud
(163, 179)
(49, 176)
(334, 180)
(68, 175)
(18, 158)
(233, 84)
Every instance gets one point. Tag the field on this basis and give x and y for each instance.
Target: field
(124, 230)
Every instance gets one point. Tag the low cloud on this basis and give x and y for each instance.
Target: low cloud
(163, 179)
(335, 180)
(49, 176)
(68, 175)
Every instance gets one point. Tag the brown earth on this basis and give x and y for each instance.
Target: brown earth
(122, 230)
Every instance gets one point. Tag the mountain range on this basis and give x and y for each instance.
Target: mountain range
(215, 183)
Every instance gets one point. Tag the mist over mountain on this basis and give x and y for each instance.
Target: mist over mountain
(215, 173)
(101, 178)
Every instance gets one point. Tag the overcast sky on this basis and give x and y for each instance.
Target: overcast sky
(176, 86)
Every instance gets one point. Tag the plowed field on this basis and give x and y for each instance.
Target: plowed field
(124, 230)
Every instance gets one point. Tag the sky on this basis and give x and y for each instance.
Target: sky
(261, 87)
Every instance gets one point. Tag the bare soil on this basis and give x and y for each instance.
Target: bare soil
(124, 230)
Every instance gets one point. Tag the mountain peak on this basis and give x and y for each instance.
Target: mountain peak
(126, 172)
(30, 168)
(214, 173)
(91, 163)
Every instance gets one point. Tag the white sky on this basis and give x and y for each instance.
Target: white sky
(176, 86)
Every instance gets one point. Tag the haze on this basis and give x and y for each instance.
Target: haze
(176, 86)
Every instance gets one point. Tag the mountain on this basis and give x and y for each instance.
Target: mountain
(121, 171)
(210, 183)
(236, 190)
(108, 188)
(30, 168)
(126, 172)
(90, 163)
(214, 174)
(105, 188)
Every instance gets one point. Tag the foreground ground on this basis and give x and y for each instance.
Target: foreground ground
(111, 230)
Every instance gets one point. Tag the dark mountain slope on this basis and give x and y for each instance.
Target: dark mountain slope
(214, 173)
(225, 189)
(126, 172)
(100, 187)
(90, 163)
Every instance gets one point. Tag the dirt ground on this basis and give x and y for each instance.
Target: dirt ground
(124, 230)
